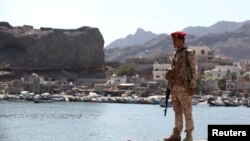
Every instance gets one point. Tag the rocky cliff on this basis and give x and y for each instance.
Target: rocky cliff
(25, 48)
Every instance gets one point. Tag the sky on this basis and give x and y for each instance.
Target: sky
(118, 18)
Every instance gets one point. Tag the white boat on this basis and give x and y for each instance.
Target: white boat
(216, 102)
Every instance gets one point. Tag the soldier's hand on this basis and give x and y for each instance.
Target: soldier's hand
(191, 92)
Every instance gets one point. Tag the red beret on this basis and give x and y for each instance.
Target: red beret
(178, 34)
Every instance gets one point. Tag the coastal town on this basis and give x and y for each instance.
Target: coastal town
(220, 82)
(86, 70)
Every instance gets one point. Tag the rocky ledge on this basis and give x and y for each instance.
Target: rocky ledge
(25, 48)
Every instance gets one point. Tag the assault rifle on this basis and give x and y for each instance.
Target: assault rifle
(166, 102)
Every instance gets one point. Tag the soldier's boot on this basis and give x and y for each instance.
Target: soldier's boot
(175, 136)
(189, 137)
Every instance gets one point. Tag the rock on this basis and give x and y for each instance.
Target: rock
(5, 74)
(5, 24)
(25, 48)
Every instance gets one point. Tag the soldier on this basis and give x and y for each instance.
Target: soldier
(182, 85)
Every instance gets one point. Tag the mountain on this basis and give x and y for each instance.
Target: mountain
(234, 44)
(219, 27)
(147, 50)
(138, 38)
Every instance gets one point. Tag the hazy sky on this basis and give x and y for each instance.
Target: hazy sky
(118, 18)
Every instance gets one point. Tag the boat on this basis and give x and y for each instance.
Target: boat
(198, 98)
(195, 102)
(43, 101)
(248, 102)
(215, 103)
(231, 103)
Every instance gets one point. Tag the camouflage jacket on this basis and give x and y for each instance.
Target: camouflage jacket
(184, 68)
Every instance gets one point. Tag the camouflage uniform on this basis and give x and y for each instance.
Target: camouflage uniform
(181, 82)
(181, 99)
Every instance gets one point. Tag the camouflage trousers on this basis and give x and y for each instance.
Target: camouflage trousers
(182, 105)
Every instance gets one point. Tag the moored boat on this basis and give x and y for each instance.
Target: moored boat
(248, 102)
(215, 103)
(43, 101)
(231, 103)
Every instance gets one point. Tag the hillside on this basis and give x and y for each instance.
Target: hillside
(219, 27)
(234, 44)
(138, 38)
(147, 50)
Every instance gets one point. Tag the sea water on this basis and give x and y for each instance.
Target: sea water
(80, 121)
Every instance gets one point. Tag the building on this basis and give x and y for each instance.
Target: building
(142, 66)
(15, 87)
(231, 85)
(32, 83)
(243, 85)
(159, 71)
(245, 64)
(246, 75)
(212, 84)
(206, 58)
(116, 80)
(229, 72)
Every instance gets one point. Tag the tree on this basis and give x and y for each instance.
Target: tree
(200, 81)
(222, 83)
(125, 69)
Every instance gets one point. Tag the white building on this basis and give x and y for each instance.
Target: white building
(206, 58)
(230, 72)
(203, 53)
(159, 71)
(116, 80)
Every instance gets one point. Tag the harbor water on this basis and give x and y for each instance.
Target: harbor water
(81, 121)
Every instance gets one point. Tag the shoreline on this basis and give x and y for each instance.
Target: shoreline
(47, 98)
